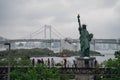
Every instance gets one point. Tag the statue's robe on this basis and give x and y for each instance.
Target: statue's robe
(85, 42)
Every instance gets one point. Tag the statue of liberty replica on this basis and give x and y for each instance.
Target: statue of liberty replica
(85, 39)
(84, 60)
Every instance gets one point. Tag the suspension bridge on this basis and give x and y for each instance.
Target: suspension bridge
(48, 37)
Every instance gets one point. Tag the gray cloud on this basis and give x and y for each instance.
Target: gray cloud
(107, 3)
(24, 16)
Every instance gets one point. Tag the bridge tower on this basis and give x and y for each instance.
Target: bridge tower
(47, 27)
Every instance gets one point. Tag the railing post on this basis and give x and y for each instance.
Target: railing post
(9, 49)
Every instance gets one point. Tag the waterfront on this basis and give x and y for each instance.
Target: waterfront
(106, 55)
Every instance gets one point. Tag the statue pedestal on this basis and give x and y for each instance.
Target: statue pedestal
(86, 62)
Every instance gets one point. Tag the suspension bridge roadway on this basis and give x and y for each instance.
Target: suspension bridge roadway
(109, 41)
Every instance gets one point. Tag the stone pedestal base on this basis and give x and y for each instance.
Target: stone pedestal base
(84, 77)
(86, 62)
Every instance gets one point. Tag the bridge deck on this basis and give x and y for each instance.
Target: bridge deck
(112, 41)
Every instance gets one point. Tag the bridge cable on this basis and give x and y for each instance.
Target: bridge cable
(37, 33)
(58, 33)
(28, 36)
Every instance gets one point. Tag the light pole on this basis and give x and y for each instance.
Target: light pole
(9, 45)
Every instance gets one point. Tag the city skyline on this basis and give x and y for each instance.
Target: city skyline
(19, 18)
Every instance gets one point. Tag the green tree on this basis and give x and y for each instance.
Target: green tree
(114, 65)
(40, 72)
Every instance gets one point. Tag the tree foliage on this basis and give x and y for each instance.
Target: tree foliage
(41, 52)
(114, 65)
(40, 72)
(24, 70)
(26, 52)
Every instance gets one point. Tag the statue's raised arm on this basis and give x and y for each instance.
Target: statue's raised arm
(79, 22)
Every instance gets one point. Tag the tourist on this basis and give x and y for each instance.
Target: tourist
(33, 61)
(48, 62)
(52, 62)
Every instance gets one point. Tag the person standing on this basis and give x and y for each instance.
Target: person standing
(52, 62)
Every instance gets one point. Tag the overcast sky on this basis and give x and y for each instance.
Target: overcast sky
(19, 18)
